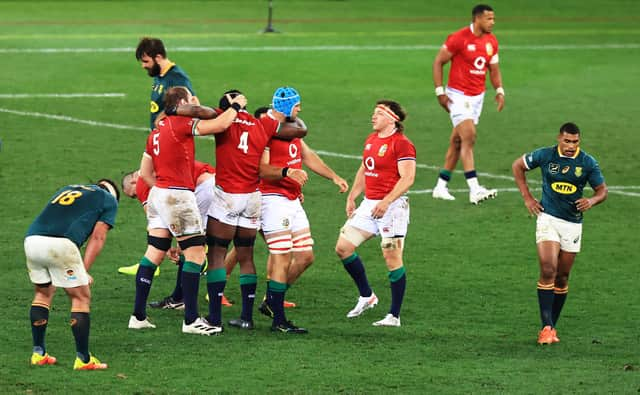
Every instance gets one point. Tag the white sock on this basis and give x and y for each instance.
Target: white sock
(473, 184)
(441, 183)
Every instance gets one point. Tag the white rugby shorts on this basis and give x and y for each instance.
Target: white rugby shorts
(281, 214)
(237, 209)
(394, 223)
(568, 234)
(55, 260)
(175, 210)
(464, 107)
(204, 197)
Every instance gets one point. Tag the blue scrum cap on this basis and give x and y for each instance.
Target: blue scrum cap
(284, 99)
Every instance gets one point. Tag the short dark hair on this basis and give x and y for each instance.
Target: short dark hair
(570, 128)
(103, 181)
(480, 9)
(174, 94)
(151, 47)
(223, 104)
(259, 111)
(397, 109)
(126, 179)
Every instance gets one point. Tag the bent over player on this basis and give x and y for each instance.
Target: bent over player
(385, 175)
(73, 214)
(565, 171)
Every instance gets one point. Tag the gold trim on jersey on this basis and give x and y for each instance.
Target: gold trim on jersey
(166, 69)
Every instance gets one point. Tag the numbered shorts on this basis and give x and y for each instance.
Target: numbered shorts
(464, 107)
(55, 260)
(204, 197)
(237, 209)
(281, 214)
(174, 209)
(394, 223)
(568, 234)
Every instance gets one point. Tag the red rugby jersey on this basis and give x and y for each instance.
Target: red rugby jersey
(380, 158)
(470, 61)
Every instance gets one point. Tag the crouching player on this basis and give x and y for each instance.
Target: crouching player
(387, 172)
(74, 214)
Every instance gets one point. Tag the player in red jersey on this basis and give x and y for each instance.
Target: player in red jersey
(387, 172)
(472, 51)
(235, 211)
(135, 187)
(284, 222)
(168, 166)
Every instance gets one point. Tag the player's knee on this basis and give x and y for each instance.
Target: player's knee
(194, 241)
(391, 244)
(548, 273)
(161, 243)
(562, 279)
(281, 244)
(213, 241)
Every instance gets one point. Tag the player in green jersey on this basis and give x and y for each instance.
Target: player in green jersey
(565, 172)
(73, 214)
(152, 56)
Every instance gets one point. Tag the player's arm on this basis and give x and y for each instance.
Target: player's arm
(292, 129)
(407, 171)
(220, 123)
(270, 172)
(147, 171)
(356, 189)
(600, 195)
(519, 168)
(317, 165)
(95, 243)
(443, 57)
(496, 81)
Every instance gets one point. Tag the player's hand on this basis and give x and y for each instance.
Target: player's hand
(298, 175)
(534, 207)
(301, 198)
(351, 207)
(500, 101)
(583, 204)
(341, 183)
(380, 209)
(174, 255)
(90, 279)
(444, 102)
(240, 99)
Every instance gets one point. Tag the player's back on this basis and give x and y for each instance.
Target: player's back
(172, 150)
(238, 153)
(73, 211)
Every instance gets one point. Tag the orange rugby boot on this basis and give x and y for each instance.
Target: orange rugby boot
(546, 335)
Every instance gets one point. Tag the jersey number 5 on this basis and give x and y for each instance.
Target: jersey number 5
(156, 144)
(244, 142)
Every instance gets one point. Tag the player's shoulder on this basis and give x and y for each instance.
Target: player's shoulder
(586, 158)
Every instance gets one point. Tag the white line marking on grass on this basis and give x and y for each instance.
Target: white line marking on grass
(71, 119)
(58, 95)
(617, 189)
(351, 48)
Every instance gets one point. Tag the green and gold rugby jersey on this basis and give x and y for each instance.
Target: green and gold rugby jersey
(173, 76)
(563, 179)
(72, 213)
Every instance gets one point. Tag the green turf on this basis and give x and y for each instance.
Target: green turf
(470, 314)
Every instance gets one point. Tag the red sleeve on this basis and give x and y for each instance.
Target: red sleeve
(149, 146)
(405, 150)
(270, 125)
(453, 43)
(200, 168)
(142, 191)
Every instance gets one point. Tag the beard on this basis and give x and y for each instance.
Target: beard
(154, 71)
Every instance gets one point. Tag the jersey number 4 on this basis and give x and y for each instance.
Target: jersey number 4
(244, 142)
